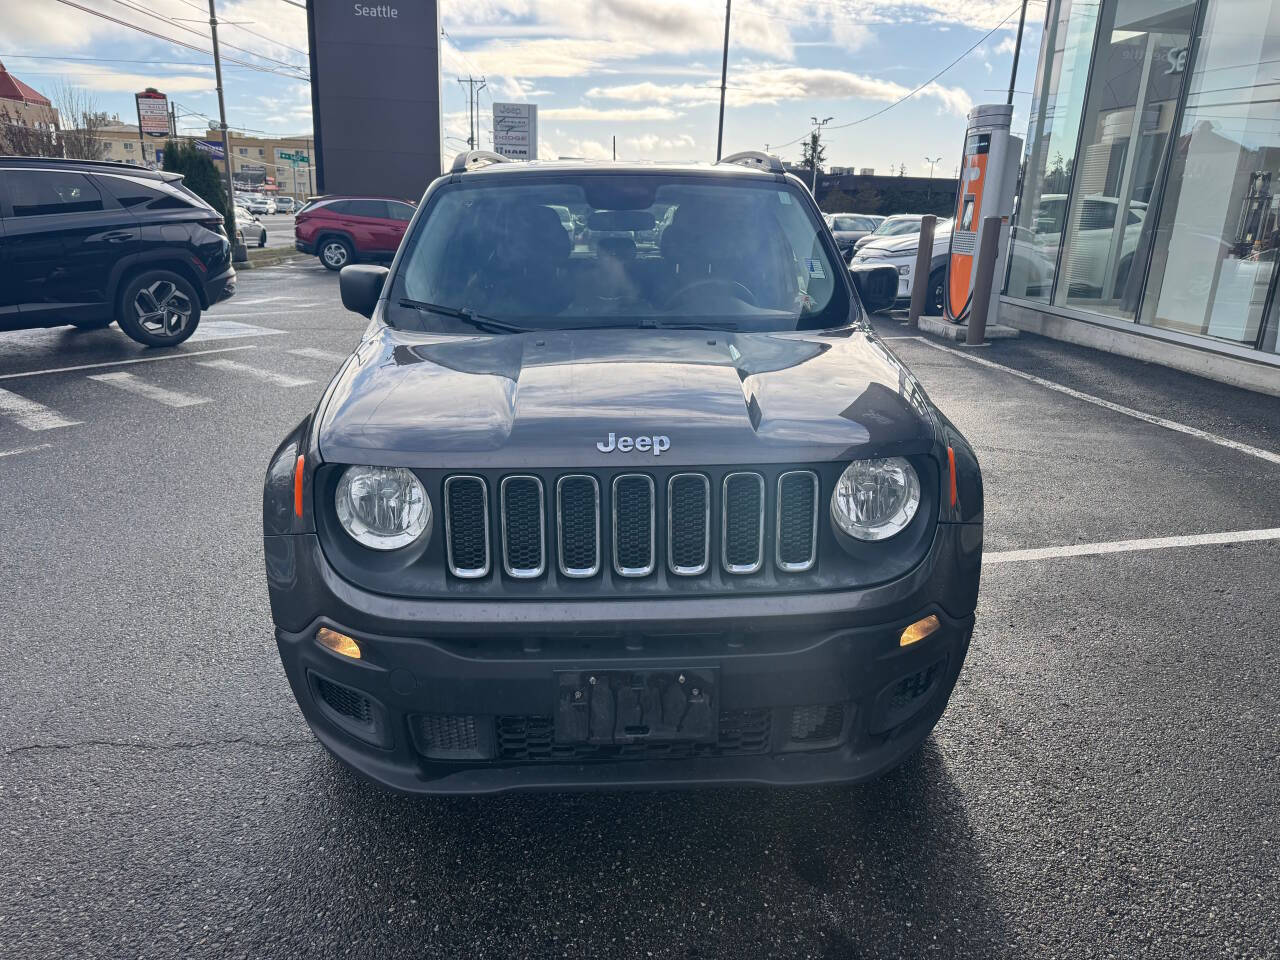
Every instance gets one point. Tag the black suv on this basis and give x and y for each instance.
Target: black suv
(576, 515)
(87, 243)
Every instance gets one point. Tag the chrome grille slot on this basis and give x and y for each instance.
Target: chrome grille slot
(633, 523)
(742, 523)
(578, 525)
(524, 547)
(797, 521)
(688, 524)
(466, 526)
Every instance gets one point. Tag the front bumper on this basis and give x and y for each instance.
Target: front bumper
(460, 697)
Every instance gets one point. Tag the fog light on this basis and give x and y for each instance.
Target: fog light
(341, 644)
(916, 632)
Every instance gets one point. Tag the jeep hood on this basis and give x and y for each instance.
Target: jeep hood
(547, 399)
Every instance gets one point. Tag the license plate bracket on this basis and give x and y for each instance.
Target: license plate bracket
(633, 706)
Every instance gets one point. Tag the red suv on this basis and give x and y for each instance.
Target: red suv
(343, 230)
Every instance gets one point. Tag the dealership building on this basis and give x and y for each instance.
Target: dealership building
(1148, 214)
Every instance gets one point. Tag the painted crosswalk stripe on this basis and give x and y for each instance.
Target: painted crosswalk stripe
(31, 449)
(312, 353)
(31, 415)
(1129, 546)
(133, 384)
(266, 376)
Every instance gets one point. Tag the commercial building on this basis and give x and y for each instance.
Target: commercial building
(264, 163)
(123, 145)
(1148, 214)
(23, 105)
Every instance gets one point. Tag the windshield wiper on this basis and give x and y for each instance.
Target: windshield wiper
(688, 324)
(478, 320)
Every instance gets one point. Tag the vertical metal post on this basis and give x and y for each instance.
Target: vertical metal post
(1017, 50)
(724, 76)
(920, 275)
(983, 281)
(222, 111)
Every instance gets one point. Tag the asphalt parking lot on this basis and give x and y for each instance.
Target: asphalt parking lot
(1104, 784)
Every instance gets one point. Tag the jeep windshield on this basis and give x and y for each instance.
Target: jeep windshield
(592, 249)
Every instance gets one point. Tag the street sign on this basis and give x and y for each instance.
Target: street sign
(293, 157)
(515, 130)
(153, 113)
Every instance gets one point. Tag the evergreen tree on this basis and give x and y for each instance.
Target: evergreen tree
(201, 176)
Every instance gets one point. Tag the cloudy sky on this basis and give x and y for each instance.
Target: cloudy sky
(644, 71)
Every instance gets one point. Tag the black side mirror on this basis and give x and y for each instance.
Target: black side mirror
(361, 285)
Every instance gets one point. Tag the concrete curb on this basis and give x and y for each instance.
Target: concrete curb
(269, 258)
(940, 327)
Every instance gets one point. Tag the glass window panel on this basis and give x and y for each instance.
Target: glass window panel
(1137, 78)
(1051, 149)
(1216, 244)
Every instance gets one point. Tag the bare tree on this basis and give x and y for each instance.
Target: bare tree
(82, 122)
(76, 136)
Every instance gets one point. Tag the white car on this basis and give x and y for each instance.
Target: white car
(900, 251)
(1088, 256)
(284, 204)
(252, 232)
(261, 205)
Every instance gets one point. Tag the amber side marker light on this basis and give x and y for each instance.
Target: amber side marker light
(951, 462)
(919, 630)
(340, 643)
(297, 484)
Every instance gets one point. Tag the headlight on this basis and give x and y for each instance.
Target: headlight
(874, 499)
(904, 270)
(382, 507)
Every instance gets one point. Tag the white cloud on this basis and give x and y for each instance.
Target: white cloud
(773, 85)
(614, 115)
(588, 149)
(651, 146)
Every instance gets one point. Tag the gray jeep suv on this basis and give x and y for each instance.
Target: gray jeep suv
(579, 515)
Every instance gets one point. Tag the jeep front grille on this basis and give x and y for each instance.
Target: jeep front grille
(626, 528)
(633, 522)
(466, 526)
(524, 538)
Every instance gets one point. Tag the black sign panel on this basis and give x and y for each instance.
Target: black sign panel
(375, 95)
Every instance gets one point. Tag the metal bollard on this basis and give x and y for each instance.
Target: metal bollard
(985, 274)
(924, 259)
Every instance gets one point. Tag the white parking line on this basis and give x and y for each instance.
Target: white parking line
(117, 363)
(1129, 546)
(31, 415)
(132, 384)
(312, 353)
(267, 376)
(30, 449)
(1236, 445)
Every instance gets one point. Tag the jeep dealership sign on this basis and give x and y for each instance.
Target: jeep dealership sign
(515, 130)
(375, 96)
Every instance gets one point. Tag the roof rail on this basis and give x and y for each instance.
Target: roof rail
(471, 159)
(756, 159)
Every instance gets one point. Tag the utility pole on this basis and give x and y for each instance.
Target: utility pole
(813, 149)
(615, 146)
(474, 87)
(1017, 49)
(222, 110)
(724, 76)
(931, 161)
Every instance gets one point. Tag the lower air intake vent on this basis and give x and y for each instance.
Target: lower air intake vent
(817, 723)
(350, 703)
(532, 740)
(466, 521)
(453, 736)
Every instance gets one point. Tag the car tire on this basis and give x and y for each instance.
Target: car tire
(262, 240)
(335, 253)
(98, 323)
(158, 308)
(934, 301)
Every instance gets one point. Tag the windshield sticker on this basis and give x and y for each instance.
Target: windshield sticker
(815, 269)
(784, 198)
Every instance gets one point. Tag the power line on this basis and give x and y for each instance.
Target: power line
(240, 26)
(174, 40)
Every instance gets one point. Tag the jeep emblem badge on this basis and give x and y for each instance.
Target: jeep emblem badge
(626, 444)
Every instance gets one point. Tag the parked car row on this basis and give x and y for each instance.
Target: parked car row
(87, 243)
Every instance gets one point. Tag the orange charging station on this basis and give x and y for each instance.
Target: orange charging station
(988, 176)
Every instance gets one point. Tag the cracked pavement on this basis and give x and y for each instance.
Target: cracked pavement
(1104, 783)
